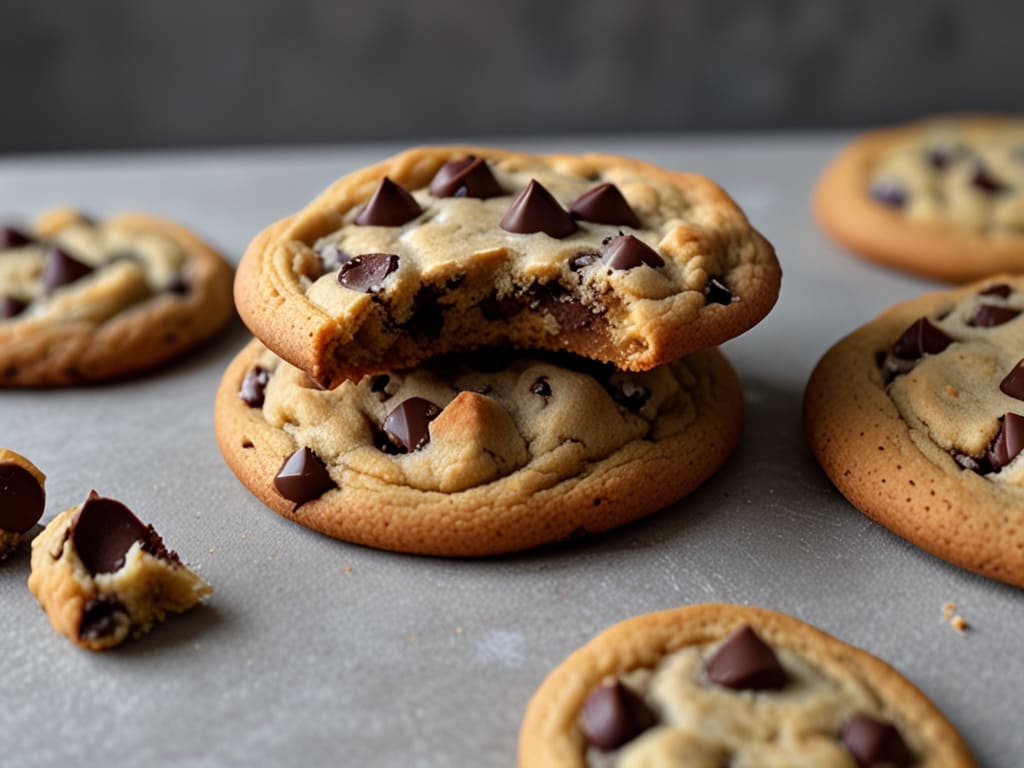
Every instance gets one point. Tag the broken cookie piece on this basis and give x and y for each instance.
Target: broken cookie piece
(22, 498)
(101, 574)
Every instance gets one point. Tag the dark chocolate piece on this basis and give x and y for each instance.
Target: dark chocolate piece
(1013, 384)
(536, 210)
(627, 252)
(874, 743)
(179, 286)
(990, 315)
(1002, 290)
(379, 384)
(1008, 442)
(541, 387)
(613, 715)
(103, 530)
(101, 617)
(408, 426)
(367, 272)
(744, 662)
(941, 155)
(626, 392)
(427, 318)
(11, 307)
(466, 177)
(889, 193)
(984, 181)
(22, 498)
(390, 206)
(571, 314)
(62, 268)
(921, 338)
(604, 204)
(716, 292)
(303, 477)
(493, 308)
(254, 385)
(13, 238)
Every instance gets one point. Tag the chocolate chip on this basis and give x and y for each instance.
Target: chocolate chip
(1013, 384)
(990, 315)
(1002, 290)
(541, 387)
(1008, 442)
(390, 206)
(571, 314)
(889, 193)
(583, 260)
(626, 392)
(13, 238)
(941, 155)
(716, 292)
(102, 617)
(494, 309)
(627, 252)
(744, 662)
(984, 181)
(11, 307)
(613, 715)
(303, 477)
(427, 318)
(62, 268)
(875, 743)
(536, 210)
(379, 384)
(367, 272)
(254, 385)
(179, 287)
(103, 530)
(466, 177)
(921, 338)
(604, 204)
(22, 498)
(408, 426)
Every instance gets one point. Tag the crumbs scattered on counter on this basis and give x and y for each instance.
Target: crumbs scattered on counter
(347, 568)
(953, 618)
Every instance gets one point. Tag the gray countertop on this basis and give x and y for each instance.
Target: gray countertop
(348, 656)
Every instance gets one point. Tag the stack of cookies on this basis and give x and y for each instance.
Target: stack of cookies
(469, 351)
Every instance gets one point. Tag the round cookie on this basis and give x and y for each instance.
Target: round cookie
(942, 197)
(713, 685)
(84, 301)
(448, 249)
(478, 454)
(22, 499)
(918, 419)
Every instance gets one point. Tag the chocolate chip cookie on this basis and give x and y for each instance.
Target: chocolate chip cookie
(918, 418)
(103, 575)
(84, 301)
(22, 499)
(714, 685)
(942, 197)
(476, 454)
(450, 249)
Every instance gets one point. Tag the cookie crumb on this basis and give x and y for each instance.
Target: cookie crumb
(951, 391)
(458, 630)
(948, 609)
(347, 568)
(211, 550)
(954, 619)
(959, 624)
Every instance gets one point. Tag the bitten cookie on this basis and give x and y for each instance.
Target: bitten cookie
(84, 301)
(22, 499)
(102, 575)
(918, 419)
(942, 197)
(450, 249)
(714, 685)
(476, 455)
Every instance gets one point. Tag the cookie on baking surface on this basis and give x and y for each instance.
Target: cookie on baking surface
(942, 197)
(103, 575)
(84, 301)
(918, 419)
(728, 685)
(477, 454)
(22, 499)
(450, 249)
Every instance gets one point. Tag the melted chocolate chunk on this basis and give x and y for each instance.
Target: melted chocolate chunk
(1002, 290)
(494, 309)
(1013, 384)
(716, 292)
(390, 206)
(627, 252)
(427, 318)
(744, 662)
(889, 193)
(62, 268)
(467, 177)
(11, 307)
(101, 617)
(254, 385)
(571, 314)
(303, 477)
(990, 315)
(367, 272)
(921, 338)
(613, 715)
(1008, 443)
(13, 238)
(408, 426)
(984, 181)
(536, 210)
(541, 387)
(103, 530)
(626, 392)
(874, 743)
(379, 384)
(604, 204)
(583, 260)
(22, 498)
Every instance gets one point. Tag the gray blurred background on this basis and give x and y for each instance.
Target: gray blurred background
(134, 74)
